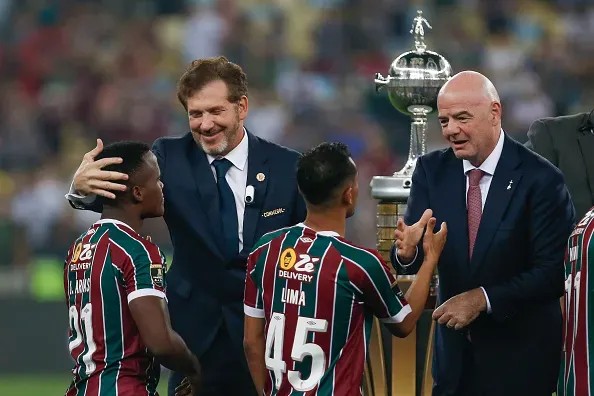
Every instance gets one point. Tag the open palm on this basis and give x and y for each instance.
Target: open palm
(408, 237)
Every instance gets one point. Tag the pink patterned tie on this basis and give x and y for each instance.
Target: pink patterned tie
(475, 206)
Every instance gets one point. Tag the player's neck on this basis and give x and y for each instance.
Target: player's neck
(327, 221)
(129, 217)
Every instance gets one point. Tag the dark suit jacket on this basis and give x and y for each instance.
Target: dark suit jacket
(559, 140)
(204, 289)
(518, 259)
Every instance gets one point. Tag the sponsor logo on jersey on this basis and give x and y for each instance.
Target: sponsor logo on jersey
(83, 253)
(293, 267)
(157, 273)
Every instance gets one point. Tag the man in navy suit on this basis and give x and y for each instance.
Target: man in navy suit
(224, 188)
(501, 271)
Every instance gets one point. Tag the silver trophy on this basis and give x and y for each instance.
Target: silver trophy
(413, 83)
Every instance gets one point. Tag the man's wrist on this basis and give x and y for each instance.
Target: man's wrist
(485, 304)
(405, 261)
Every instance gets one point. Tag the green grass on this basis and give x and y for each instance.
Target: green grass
(46, 385)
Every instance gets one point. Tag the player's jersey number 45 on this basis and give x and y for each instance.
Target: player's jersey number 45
(274, 346)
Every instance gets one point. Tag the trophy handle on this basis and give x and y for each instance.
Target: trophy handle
(380, 81)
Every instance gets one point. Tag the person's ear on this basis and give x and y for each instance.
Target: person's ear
(348, 196)
(137, 194)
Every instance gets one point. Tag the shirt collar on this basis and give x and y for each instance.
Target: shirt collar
(238, 156)
(324, 233)
(113, 221)
(488, 166)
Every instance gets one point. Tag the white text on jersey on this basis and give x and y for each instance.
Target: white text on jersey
(79, 286)
(292, 296)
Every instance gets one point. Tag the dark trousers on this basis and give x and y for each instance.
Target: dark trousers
(468, 385)
(224, 370)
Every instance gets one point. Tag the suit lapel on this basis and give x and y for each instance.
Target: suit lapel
(586, 142)
(208, 195)
(258, 176)
(453, 204)
(498, 199)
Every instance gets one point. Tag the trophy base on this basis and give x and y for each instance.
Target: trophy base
(392, 188)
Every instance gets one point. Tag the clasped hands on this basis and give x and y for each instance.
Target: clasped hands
(460, 310)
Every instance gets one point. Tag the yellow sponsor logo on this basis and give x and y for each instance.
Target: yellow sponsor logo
(76, 253)
(288, 259)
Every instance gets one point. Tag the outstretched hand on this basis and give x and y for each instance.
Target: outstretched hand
(408, 237)
(433, 243)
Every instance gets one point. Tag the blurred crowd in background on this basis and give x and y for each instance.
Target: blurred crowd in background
(75, 70)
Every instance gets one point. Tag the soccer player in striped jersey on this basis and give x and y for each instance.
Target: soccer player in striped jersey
(311, 295)
(115, 292)
(576, 377)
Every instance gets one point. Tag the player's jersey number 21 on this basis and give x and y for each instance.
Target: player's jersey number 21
(80, 337)
(274, 346)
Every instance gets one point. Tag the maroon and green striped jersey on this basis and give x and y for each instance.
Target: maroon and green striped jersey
(575, 377)
(106, 268)
(318, 294)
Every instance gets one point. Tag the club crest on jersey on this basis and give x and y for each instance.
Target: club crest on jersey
(292, 268)
(157, 273)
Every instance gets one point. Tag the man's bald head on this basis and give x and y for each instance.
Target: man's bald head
(472, 84)
(470, 115)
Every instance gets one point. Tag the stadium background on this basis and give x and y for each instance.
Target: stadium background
(74, 70)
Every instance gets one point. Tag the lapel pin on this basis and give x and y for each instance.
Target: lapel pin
(510, 184)
(260, 177)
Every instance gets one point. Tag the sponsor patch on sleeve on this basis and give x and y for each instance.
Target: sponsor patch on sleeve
(157, 273)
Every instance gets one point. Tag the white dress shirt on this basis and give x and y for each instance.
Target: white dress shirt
(488, 166)
(237, 178)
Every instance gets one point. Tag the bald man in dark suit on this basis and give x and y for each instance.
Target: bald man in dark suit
(568, 143)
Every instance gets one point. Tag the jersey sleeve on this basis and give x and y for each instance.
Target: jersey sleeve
(380, 290)
(252, 300)
(144, 271)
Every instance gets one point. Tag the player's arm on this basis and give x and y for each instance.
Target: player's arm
(254, 339)
(143, 275)
(254, 345)
(419, 290)
(152, 319)
(381, 293)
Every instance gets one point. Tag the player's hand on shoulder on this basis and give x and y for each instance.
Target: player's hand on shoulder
(433, 242)
(408, 236)
(91, 179)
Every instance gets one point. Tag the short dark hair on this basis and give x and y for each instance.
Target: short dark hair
(322, 170)
(204, 71)
(132, 155)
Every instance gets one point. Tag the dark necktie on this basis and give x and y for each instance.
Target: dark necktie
(228, 208)
(475, 206)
